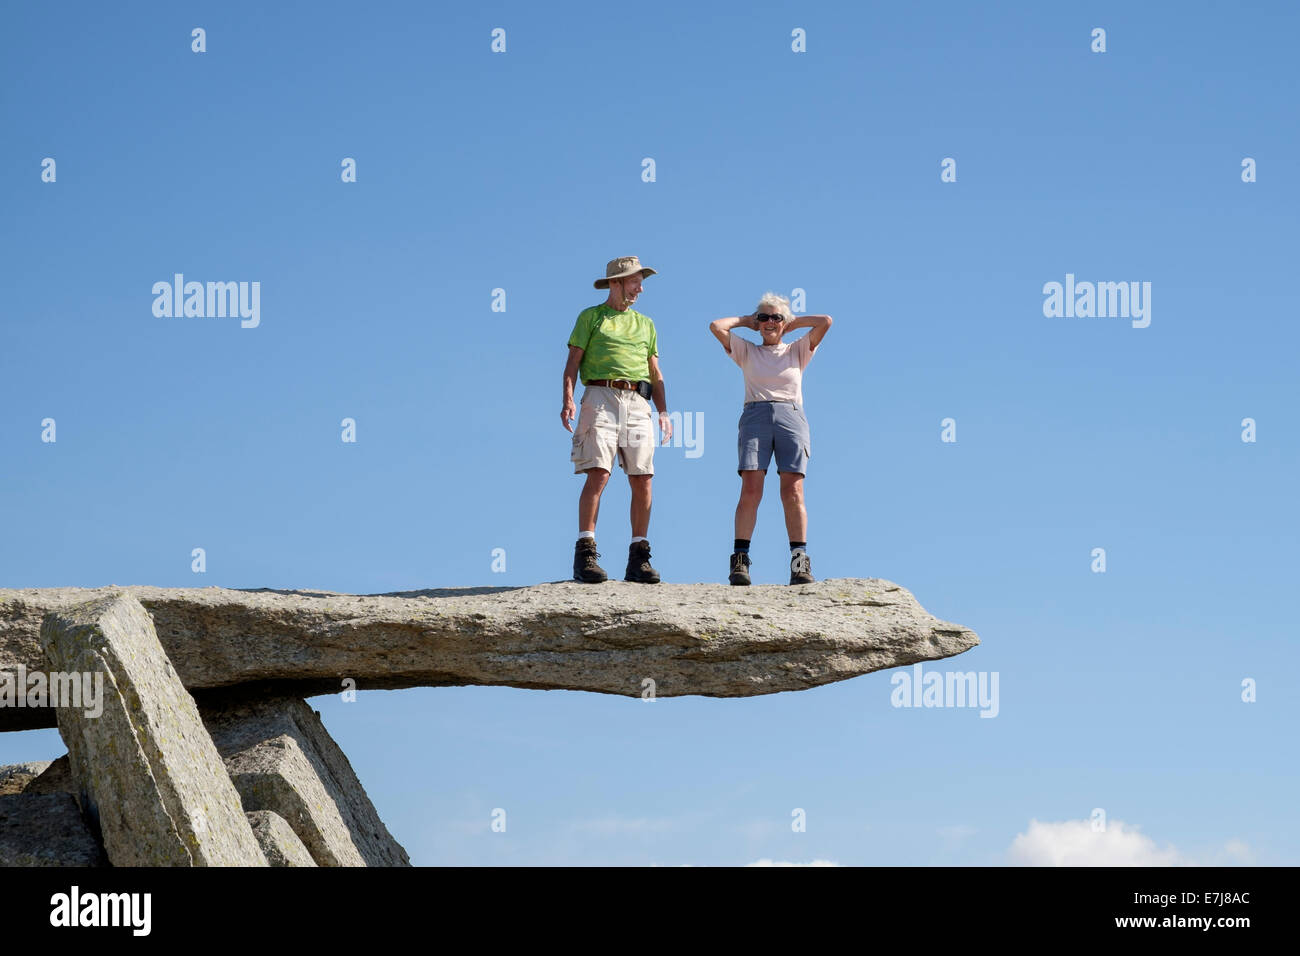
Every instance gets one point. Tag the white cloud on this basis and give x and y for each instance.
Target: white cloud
(1238, 852)
(1076, 843)
(766, 862)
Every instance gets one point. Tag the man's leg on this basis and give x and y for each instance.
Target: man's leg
(639, 568)
(589, 500)
(593, 454)
(640, 485)
(636, 451)
(585, 568)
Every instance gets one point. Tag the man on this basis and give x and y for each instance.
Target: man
(616, 352)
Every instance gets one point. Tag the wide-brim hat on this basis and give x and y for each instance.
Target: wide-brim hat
(622, 268)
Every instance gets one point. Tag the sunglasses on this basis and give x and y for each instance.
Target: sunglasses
(769, 317)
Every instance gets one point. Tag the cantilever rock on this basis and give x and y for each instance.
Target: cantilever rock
(706, 639)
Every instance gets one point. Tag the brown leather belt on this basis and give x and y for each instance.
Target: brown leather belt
(612, 383)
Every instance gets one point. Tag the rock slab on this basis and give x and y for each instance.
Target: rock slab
(46, 830)
(707, 639)
(278, 841)
(147, 774)
(56, 778)
(281, 759)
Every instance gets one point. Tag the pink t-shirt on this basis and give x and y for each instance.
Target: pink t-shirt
(773, 373)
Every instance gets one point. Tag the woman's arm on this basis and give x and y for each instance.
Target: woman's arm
(820, 325)
(721, 328)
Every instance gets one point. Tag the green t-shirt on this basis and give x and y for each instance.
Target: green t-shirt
(620, 348)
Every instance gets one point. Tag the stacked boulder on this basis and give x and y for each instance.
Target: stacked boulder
(149, 780)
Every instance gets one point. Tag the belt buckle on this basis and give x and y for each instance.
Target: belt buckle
(626, 383)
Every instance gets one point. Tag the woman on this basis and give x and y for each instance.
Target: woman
(773, 421)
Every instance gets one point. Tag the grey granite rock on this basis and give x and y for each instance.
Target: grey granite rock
(281, 759)
(16, 777)
(278, 841)
(46, 829)
(147, 774)
(708, 639)
(56, 778)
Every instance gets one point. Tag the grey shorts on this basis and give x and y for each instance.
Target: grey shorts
(766, 427)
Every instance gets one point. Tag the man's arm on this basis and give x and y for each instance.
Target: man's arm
(721, 328)
(568, 411)
(660, 395)
(820, 325)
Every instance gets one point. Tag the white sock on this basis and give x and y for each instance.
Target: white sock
(587, 534)
(635, 540)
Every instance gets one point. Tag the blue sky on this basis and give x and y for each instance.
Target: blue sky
(774, 170)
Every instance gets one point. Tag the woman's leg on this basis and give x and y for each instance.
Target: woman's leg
(793, 444)
(796, 515)
(751, 493)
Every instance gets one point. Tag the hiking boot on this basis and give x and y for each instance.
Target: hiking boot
(638, 564)
(800, 568)
(740, 568)
(585, 568)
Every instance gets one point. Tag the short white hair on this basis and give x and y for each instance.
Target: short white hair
(771, 302)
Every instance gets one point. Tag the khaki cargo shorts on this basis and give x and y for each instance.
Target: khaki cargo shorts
(613, 423)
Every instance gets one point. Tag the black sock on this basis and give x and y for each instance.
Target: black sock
(798, 545)
(742, 545)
